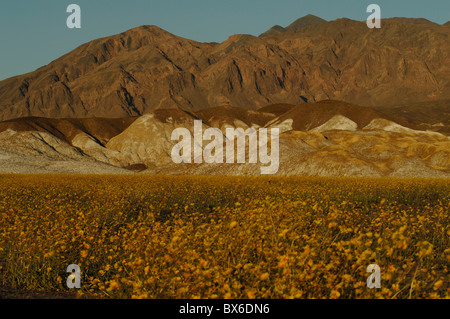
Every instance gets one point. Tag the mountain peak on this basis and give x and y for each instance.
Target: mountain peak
(305, 21)
(145, 30)
(276, 29)
(308, 20)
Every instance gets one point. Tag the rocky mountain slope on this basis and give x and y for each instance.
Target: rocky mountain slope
(146, 68)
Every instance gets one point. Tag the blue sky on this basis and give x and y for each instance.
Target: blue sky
(34, 32)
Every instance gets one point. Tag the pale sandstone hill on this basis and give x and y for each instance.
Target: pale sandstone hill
(148, 140)
(337, 122)
(32, 152)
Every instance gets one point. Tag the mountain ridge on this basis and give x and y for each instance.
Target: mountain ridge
(147, 68)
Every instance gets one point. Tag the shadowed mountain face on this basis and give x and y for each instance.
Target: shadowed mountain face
(147, 68)
(432, 116)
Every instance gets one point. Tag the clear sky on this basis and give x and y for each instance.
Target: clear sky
(34, 32)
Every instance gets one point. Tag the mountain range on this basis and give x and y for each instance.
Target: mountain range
(348, 100)
(147, 68)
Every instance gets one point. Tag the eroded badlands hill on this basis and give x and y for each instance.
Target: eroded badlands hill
(328, 138)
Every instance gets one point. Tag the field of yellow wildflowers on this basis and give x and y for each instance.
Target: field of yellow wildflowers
(226, 237)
